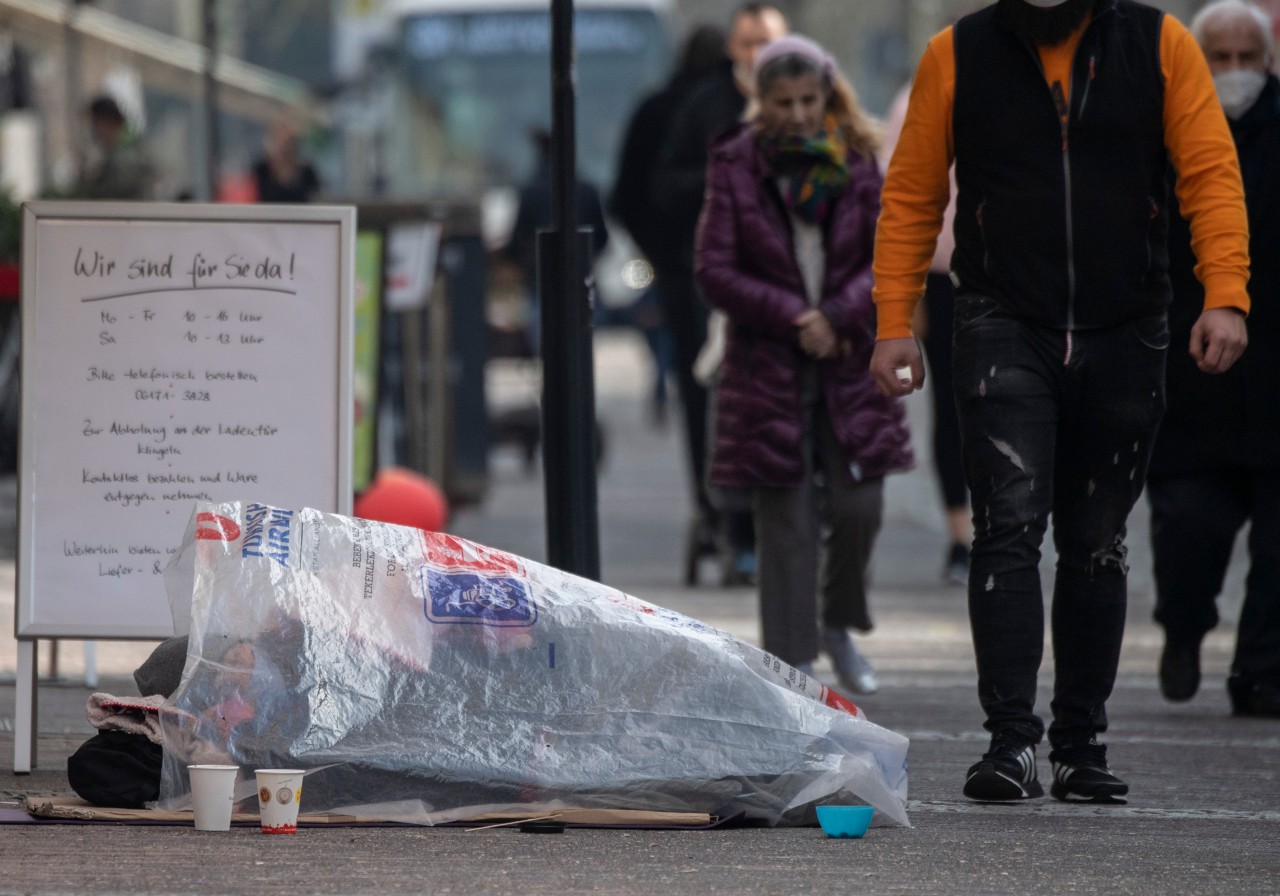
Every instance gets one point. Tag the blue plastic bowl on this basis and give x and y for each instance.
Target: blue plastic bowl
(845, 821)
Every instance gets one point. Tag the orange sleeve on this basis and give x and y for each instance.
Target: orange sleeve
(916, 190)
(1203, 153)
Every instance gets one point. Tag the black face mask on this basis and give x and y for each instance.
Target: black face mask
(1044, 26)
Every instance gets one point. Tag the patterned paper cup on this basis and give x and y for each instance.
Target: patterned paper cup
(213, 795)
(279, 790)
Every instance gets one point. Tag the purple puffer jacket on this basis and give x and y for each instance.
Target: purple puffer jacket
(746, 266)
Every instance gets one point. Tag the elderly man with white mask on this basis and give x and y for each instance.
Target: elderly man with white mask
(1237, 41)
(1215, 465)
(1063, 119)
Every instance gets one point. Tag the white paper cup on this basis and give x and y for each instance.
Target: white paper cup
(213, 790)
(279, 790)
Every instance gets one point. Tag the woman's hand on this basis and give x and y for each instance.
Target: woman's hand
(817, 337)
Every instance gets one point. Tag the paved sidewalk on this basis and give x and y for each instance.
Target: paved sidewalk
(1204, 813)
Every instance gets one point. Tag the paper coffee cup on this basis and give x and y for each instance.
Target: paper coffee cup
(279, 790)
(213, 790)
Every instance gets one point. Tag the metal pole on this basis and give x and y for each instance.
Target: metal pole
(568, 388)
(564, 207)
(71, 89)
(212, 136)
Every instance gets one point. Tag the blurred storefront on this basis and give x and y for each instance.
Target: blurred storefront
(151, 58)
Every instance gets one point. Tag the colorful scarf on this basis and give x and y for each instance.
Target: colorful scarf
(814, 168)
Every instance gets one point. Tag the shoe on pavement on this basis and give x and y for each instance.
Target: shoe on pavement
(1180, 668)
(1253, 698)
(739, 569)
(1006, 773)
(852, 668)
(1081, 774)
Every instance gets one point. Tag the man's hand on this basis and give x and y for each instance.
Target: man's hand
(1218, 339)
(897, 367)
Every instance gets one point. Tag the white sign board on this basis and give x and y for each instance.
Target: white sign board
(171, 353)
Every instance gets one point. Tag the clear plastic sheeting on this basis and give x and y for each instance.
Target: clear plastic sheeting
(423, 678)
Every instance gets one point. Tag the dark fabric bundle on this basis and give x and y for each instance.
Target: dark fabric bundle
(116, 769)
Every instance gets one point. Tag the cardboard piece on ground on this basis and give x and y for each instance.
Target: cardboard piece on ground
(59, 808)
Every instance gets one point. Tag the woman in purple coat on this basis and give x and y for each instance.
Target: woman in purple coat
(784, 249)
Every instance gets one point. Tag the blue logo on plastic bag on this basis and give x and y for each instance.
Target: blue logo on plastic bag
(469, 598)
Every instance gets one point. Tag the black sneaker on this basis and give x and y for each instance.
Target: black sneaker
(1081, 774)
(1180, 668)
(1006, 773)
(1253, 698)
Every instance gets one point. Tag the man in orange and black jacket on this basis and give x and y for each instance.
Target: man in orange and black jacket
(1061, 117)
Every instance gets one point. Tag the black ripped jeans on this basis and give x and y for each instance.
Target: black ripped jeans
(1061, 424)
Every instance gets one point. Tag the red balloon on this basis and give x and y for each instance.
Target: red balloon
(404, 498)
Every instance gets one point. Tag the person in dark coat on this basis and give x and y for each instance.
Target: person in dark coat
(784, 248)
(713, 106)
(534, 214)
(632, 202)
(122, 167)
(282, 174)
(523, 424)
(1216, 464)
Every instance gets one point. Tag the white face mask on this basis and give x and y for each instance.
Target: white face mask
(1238, 90)
(1045, 4)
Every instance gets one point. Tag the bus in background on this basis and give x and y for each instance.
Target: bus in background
(441, 100)
(455, 90)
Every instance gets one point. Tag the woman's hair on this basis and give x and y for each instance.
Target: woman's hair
(861, 132)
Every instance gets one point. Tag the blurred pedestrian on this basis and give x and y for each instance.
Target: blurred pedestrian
(522, 424)
(120, 166)
(1215, 465)
(534, 214)
(282, 174)
(632, 202)
(784, 250)
(933, 325)
(715, 104)
(1062, 119)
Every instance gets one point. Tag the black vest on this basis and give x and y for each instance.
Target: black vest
(1063, 226)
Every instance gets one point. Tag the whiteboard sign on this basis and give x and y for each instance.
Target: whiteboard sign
(170, 353)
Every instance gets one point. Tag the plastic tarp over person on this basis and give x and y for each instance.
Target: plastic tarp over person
(423, 678)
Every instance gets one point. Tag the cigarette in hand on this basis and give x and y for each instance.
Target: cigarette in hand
(903, 374)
